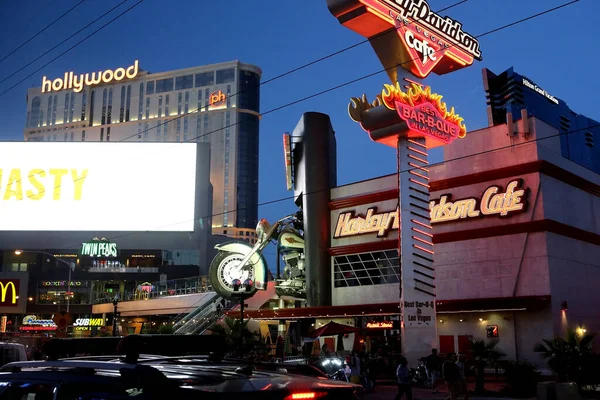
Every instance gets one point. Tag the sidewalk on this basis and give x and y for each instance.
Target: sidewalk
(388, 392)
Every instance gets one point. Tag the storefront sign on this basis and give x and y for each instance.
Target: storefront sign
(217, 98)
(380, 325)
(424, 112)
(89, 322)
(77, 83)
(99, 248)
(418, 312)
(429, 41)
(539, 90)
(38, 184)
(60, 283)
(9, 292)
(493, 202)
(32, 320)
(349, 224)
(492, 331)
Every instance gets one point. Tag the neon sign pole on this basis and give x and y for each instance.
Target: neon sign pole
(70, 265)
(411, 41)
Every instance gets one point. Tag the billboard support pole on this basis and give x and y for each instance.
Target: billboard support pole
(417, 285)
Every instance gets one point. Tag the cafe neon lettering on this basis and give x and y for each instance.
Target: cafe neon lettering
(99, 248)
(39, 184)
(493, 202)
(89, 322)
(424, 112)
(217, 98)
(350, 225)
(427, 37)
(380, 325)
(77, 83)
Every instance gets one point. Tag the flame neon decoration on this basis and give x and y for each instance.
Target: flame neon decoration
(417, 94)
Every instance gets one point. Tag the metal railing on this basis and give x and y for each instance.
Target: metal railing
(155, 290)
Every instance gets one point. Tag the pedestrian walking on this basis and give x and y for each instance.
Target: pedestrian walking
(404, 380)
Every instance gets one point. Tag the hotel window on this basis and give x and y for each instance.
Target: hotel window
(146, 129)
(166, 131)
(65, 138)
(159, 106)
(178, 131)
(108, 134)
(199, 100)
(147, 107)
(72, 136)
(226, 185)
(225, 76)
(206, 134)
(66, 110)
(198, 122)
(185, 129)
(139, 132)
(104, 100)
(34, 122)
(228, 96)
(55, 103)
(72, 110)
(83, 135)
(92, 97)
(150, 88)
(49, 113)
(109, 114)
(83, 105)
(164, 85)
(128, 103)
(206, 94)
(158, 133)
(205, 79)
(102, 134)
(122, 109)
(141, 101)
(166, 105)
(184, 82)
(187, 103)
(365, 269)
(179, 97)
(18, 267)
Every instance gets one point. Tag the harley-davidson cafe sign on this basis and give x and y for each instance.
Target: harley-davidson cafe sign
(494, 201)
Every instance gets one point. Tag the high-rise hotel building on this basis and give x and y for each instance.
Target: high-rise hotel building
(216, 103)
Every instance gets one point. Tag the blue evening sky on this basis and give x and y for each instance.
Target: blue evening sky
(557, 51)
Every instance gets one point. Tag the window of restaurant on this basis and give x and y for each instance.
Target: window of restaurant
(363, 269)
(57, 292)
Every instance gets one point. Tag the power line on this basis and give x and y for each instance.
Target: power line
(65, 40)
(37, 34)
(72, 47)
(287, 198)
(347, 83)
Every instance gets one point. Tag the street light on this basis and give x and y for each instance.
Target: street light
(70, 265)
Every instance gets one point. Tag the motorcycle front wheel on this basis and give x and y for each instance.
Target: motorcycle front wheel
(224, 269)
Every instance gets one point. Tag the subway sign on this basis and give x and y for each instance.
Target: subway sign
(9, 292)
(86, 322)
(98, 248)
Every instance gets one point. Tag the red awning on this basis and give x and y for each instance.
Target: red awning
(333, 328)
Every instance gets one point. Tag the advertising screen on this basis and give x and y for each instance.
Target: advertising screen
(97, 186)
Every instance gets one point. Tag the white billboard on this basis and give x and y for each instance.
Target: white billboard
(91, 186)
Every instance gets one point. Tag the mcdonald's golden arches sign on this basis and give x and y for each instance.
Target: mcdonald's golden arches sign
(9, 292)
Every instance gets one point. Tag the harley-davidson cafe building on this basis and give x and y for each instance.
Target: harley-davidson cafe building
(516, 233)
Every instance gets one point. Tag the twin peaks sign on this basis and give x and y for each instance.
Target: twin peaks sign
(98, 248)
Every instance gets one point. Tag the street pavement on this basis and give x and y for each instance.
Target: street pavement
(388, 392)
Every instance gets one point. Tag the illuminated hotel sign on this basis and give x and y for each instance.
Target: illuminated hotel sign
(99, 248)
(9, 292)
(77, 83)
(380, 325)
(349, 224)
(539, 90)
(494, 201)
(424, 112)
(217, 98)
(428, 42)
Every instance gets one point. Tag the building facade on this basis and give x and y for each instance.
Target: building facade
(217, 104)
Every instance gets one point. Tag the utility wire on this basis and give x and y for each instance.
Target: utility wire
(40, 32)
(281, 76)
(331, 89)
(71, 48)
(67, 39)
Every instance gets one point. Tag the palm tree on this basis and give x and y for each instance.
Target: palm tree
(571, 359)
(484, 354)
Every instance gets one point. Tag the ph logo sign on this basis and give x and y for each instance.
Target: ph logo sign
(217, 98)
(9, 292)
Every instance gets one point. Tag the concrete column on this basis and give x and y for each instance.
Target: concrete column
(417, 285)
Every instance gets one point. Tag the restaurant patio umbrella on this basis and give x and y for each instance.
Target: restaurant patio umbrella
(332, 329)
